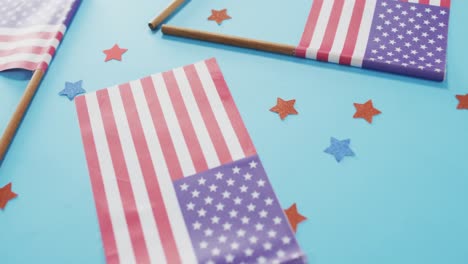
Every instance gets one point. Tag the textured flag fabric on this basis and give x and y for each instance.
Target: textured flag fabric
(405, 37)
(234, 217)
(148, 142)
(444, 3)
(31, 30)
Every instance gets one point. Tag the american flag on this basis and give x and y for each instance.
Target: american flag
(31, 30)
(175, 175)
(405, 37)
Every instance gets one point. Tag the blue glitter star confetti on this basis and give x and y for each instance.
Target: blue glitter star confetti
(72, 89)
(339, 149)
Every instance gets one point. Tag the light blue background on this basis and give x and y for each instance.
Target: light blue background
(402, 199)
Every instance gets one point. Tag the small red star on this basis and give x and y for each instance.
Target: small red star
(366, 111)
(463, 101)
(284, 108)
(294, 217)
(219, 15)
(114, 53)
(6, 195)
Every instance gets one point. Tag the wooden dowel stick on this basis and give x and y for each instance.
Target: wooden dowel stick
(229, 40)
(165, 13)
(23, 105)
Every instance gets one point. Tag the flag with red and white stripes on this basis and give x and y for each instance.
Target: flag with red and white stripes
(31, 30)
(402, 36)
(443, 3)
(175, 175)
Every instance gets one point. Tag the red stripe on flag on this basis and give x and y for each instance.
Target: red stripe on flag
(309, 28)
(185, 123)
(152, 185)
(97, 184)
(24, 64)
(33, 50)
(159, 122)
(59, 36)
(42, 66)
(209, 119)
(330, 33)
(231, 109)
(123, 179)
(29, 49)
(32, 35)
(19, 65)
(424, 2)
(353, 31)
(445, 3)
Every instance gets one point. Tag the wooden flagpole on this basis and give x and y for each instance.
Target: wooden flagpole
(20, 111)
(229, 40)
(165, 14)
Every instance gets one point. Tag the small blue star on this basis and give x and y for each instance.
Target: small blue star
(339, 148)
(72, 89)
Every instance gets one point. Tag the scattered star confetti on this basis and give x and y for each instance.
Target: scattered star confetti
(219, 16)
(462, 101)
(339, 149)
(72, 89)
(6, 195)
(114, 53)
(294, 217)
(366, 111)
(284, 108)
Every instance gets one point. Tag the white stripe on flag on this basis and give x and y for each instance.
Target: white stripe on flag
(435, 2)
(364, 32)
(320, 29)
(33, 29)
(413, 1)
(196, 118)
(171, 204)
(116, 210)
(342, 31)
(29, 43)
(220, 113)
(137, 181)
(173, 125)
(29, 57)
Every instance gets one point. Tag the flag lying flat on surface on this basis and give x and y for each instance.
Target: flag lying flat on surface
(175, 175)
(405, 37)
(31, 30)
(444, 3)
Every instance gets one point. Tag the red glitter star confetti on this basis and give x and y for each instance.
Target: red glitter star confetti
(284, 108)
(294, 217)
(366, 111)
(6, 195)
(114, 53)
(462, 101)
(219, 16)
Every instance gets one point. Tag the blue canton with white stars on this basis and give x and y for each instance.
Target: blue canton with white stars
(408, 38)
(233, 216)
(23, 13)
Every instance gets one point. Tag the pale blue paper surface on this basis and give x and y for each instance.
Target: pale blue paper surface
(402, 199)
